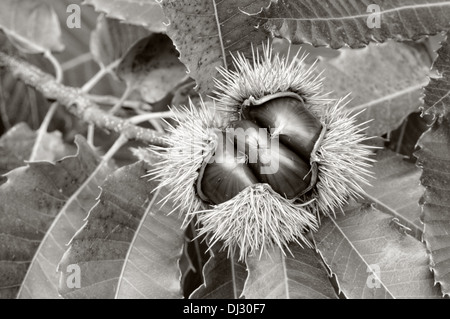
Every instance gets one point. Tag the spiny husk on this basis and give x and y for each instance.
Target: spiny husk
(343, 160)
(267, 74)
(256, 220)
(191, 140)
(342, 157)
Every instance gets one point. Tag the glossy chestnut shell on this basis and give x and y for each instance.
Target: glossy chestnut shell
(272, 144)
(286, 172)
(225, 175)
(298, 128)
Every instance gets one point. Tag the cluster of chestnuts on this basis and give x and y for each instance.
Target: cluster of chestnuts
(260, 165)
(276, 131)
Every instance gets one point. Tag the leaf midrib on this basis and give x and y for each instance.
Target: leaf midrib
(219, 30)
(360, 256)
(286, 278)
(58, 217)
(354, 17)
(388, 97)
(133, 241)
(233, 277)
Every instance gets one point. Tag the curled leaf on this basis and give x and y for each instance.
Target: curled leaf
(32, 26)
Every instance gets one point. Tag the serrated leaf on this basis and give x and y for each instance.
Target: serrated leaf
(25, 104)
(385, 80)
(77, 42)
(129, 246)
(152, 67)
(206, 31)
(437, 92)
(184, 93)
(17, 143)
(434, 159)
(146, 13)
(223, 277)
(193, 259)
(112, 39)
(30, 200)
(337, 23)
(189, 279)
(301, 275)
(396, 190)
(32, 26)
(372, 258)
(404, 139)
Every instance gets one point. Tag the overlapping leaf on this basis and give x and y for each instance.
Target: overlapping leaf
(184, 93)
(396, 190)
(32, 26)
(404, 139)
(279, 276)
(337, 23)
(30, 200)
(152, 67)
(77, 42)
(206, 31)
(434, 159)
(437, 93)
(129, 246)
(195, 256)
(376, 78)
(23, 103)
(17, 143)
(373, 257)
(111, 39)
(146, 13)
(223, 276)
(42, 279)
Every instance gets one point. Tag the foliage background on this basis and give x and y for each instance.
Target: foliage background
(85, 187)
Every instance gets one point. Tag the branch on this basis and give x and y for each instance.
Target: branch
(75, 102)
(112, 100)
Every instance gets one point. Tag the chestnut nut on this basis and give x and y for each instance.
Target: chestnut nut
(272, 144)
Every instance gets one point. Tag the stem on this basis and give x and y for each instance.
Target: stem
(75, 101)
(112, 100)
(402, 136)
(100, 74)
(56, 65)
(3, 111)
(114, 110)
(78, 60)
(32, 103)
(119, 103)
(91, 135)
(43, 130)
(151, 116)
(157, 125)
(51, 111)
